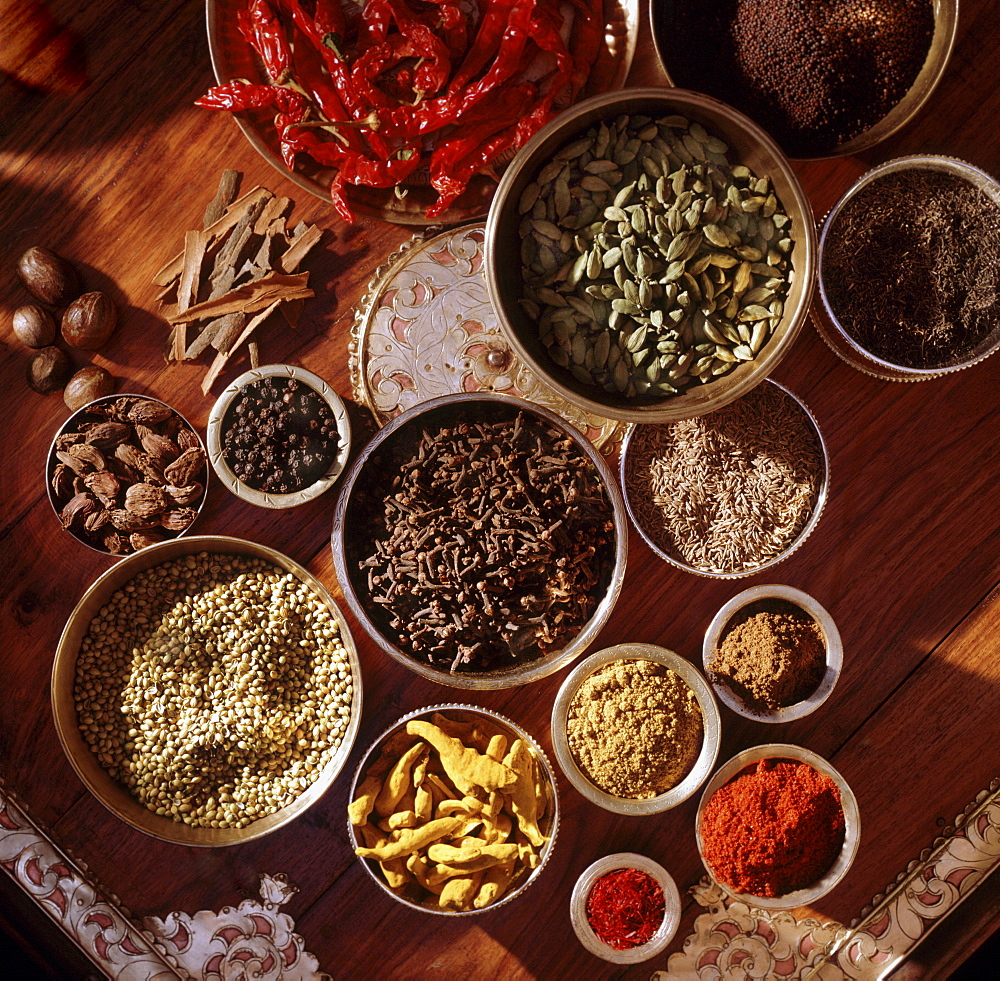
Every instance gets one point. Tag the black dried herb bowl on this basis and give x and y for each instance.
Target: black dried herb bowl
(473, 727)
(516, 535)
(587, 346)
(965, 310)
(112, 445)
(319, 445)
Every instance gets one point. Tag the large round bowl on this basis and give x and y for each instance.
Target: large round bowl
(748, 145)
(852, 823)
(410, 894)
(710, 740)
(668, 40)
(362, 503)
(836, 334)
(114, 796)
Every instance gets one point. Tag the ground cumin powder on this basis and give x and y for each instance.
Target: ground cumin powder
(772, 655)
(635, 728)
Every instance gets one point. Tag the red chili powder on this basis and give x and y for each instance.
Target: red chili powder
(625, 908)
(774, 828)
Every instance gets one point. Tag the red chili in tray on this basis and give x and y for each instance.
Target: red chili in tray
(398, 86)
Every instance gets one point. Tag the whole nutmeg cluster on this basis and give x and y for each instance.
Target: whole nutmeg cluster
(88, 320)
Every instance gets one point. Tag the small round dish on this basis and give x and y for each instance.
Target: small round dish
(664, 932)
(465, 717)
(218, 421)
(831, 641)
(592, 336)
(383, 588)
(710, 740)
(849, 804)
(111, 445)
(834, 330)
(116, 796)
(640, 447)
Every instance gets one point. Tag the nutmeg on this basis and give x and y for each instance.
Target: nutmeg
(89, 321)
(47, 276)
(48, 370)
(89, 383)
(33, 325)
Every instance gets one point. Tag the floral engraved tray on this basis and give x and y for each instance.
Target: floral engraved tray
(426, 327)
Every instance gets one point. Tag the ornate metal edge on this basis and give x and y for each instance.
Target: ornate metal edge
(729, 934)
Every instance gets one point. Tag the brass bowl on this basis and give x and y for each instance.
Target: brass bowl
(114, 796)
(666, 40)
(549, 825)
(749, 145)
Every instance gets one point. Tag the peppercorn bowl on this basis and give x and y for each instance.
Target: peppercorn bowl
(125, 472)
(480, 540)
(279, 436)
(454, 810)
(731, 692)
(907, 231)
(743, 763)
(581, 914)
(799, 69)
(618, 735)
(181, 690)
(652, 292)
(730, 493)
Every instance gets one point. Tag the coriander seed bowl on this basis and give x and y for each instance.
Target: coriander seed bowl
(279, 436)
(173, 713)
(922, 322)
(743, 763)
(620, 737)
(734, 693)
(416, 880)
(125, 472)
(730, 493)
(480, 540)
(580, 898)
(650, 254)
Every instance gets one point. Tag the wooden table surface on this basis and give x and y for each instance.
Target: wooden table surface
(106, 161)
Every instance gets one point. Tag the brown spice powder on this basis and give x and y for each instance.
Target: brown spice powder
(635, 728)
(772, 655)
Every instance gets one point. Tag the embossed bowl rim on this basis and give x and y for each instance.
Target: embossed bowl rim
(710, 741)
(852, 822)
(524, 672)
(267, 499)
(371, 866)
(113, 795)
(66, 427)
(831, 641)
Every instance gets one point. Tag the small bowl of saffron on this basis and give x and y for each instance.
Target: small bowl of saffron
(625, 908)
(778, 827)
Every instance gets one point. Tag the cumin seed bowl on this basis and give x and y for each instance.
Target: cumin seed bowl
(890, 353)
(691, 485)
(411, 894)
(312, 433)
(841, 863)
(750, 600)
(190, 691)
(527, 590)
(620, 734)
(653, 276)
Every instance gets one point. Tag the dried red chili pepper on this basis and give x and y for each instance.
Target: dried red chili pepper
(262, 30)
(240, 94)
(625, 908)
(776, 827)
